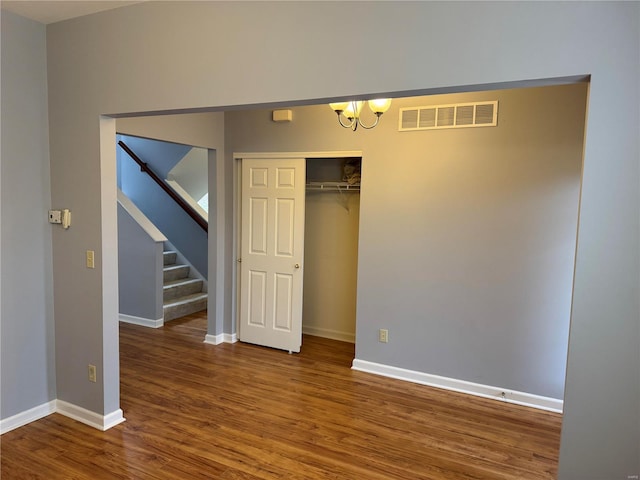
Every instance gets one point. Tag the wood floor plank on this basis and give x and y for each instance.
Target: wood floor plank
(243, 412)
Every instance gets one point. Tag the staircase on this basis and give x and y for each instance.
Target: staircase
(181, 295)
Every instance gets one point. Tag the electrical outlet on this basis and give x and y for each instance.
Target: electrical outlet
(90, 259)
(92, 373)
(383, 335)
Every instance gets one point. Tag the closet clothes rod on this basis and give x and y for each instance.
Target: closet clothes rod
(333, 187)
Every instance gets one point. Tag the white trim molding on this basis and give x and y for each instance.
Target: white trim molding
(95, 420)
(461, 386)
(221, 338)
(328, 333)
(307, 154)
(188, 198)
(28, 416)
(140, 218)
(144, 322)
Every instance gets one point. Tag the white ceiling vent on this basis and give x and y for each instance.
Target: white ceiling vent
(459, 115)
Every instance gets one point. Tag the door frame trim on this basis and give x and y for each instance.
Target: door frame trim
(237, 191)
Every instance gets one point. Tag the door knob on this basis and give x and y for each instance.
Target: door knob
(297, 265)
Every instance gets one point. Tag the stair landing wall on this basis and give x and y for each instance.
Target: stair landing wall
(140, 271)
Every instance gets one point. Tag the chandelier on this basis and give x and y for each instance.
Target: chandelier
(351, 112)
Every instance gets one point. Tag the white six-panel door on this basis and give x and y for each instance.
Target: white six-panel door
(271, 252)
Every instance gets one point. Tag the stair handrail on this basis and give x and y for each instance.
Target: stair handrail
(189, 210)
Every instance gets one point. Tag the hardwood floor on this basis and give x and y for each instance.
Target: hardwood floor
(241, 412)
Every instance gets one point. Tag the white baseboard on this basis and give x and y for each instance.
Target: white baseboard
(144, 322)
(221, 338)
(28, 416)
(63, 408)
(95, 420)
(327, 333)
(214, 339)
(462, 386)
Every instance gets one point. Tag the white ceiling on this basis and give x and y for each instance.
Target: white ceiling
(55, 11)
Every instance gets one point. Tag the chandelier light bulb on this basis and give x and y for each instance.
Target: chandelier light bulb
(379, 105)
(339, 106)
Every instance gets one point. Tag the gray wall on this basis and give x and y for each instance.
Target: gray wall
(181, 230)
(28, 369)
(271, 52)
(139, 270)
(468, 254)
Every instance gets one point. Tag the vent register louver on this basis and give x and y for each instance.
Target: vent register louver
(460, 115)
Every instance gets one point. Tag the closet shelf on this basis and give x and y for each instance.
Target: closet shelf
(333, 186)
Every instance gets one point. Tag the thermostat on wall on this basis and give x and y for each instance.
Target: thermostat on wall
(60, 216)
(55, 216)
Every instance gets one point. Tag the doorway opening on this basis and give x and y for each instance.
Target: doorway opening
(162, 230)
(422, 181)
(401, 209)
(297, 275)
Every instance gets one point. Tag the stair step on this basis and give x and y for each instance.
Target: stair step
(169, 257)
(186, 305)
(180, 288)
(174, 272)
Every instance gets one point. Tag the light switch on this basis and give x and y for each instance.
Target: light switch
(90, 262)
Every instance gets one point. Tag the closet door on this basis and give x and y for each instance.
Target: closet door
(272, 250)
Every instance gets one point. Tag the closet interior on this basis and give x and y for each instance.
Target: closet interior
(331, 247)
